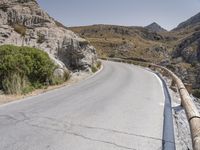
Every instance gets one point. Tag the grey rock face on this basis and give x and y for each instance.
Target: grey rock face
(189, 49)
(198, 77)
(44, 33)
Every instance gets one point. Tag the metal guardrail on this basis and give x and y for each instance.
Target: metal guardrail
(191, 110)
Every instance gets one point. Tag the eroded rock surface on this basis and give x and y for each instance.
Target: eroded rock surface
(42, 31)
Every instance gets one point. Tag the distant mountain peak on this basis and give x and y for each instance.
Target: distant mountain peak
(155, 27)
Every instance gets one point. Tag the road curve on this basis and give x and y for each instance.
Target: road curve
(120, 108)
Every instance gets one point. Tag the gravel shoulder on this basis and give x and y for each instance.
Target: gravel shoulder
(181, 125)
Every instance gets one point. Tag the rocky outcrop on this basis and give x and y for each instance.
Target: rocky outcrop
(189, 49)
(186, 61)
(23, 22)
(186, 54)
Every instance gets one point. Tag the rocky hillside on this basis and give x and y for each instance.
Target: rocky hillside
(23, 22)
(154, 27)
(186, 54)
(178, 49)
(190, 23)
(121, 41)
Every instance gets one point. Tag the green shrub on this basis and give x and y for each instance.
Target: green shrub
(21, 67)
(27, 89)
(94, 69)
(196, 93)
(20, 29)
(98, 64)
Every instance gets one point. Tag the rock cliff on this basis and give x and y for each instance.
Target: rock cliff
(23, 22)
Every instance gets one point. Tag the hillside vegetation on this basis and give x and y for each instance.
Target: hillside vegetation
(23, 69)
(25, 23)
(178, 49)
(126, 42)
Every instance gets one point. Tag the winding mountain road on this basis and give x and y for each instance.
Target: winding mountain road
(120, 108)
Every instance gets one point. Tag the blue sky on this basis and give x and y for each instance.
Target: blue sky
(167, 13)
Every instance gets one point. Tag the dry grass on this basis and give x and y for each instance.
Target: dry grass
(4, 98)
(119, 41)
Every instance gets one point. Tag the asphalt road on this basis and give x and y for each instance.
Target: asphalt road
(120, 108)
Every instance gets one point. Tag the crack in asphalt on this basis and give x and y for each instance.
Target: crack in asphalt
(15, 119)
(82, 136)
(8, 117)
(54, 123)
(117, 131)
(108, 130)
(26, 118)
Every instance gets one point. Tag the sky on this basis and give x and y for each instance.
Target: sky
(167, 13)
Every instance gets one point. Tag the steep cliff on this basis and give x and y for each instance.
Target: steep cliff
(23, 22)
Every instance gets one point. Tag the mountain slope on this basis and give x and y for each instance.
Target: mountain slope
(154, 27)
(121, 41)
(177, 49)
(23, 22)
(186, 53)
(188, 45)
(191, 22)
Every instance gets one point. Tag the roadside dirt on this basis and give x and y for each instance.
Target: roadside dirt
(76, 77)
